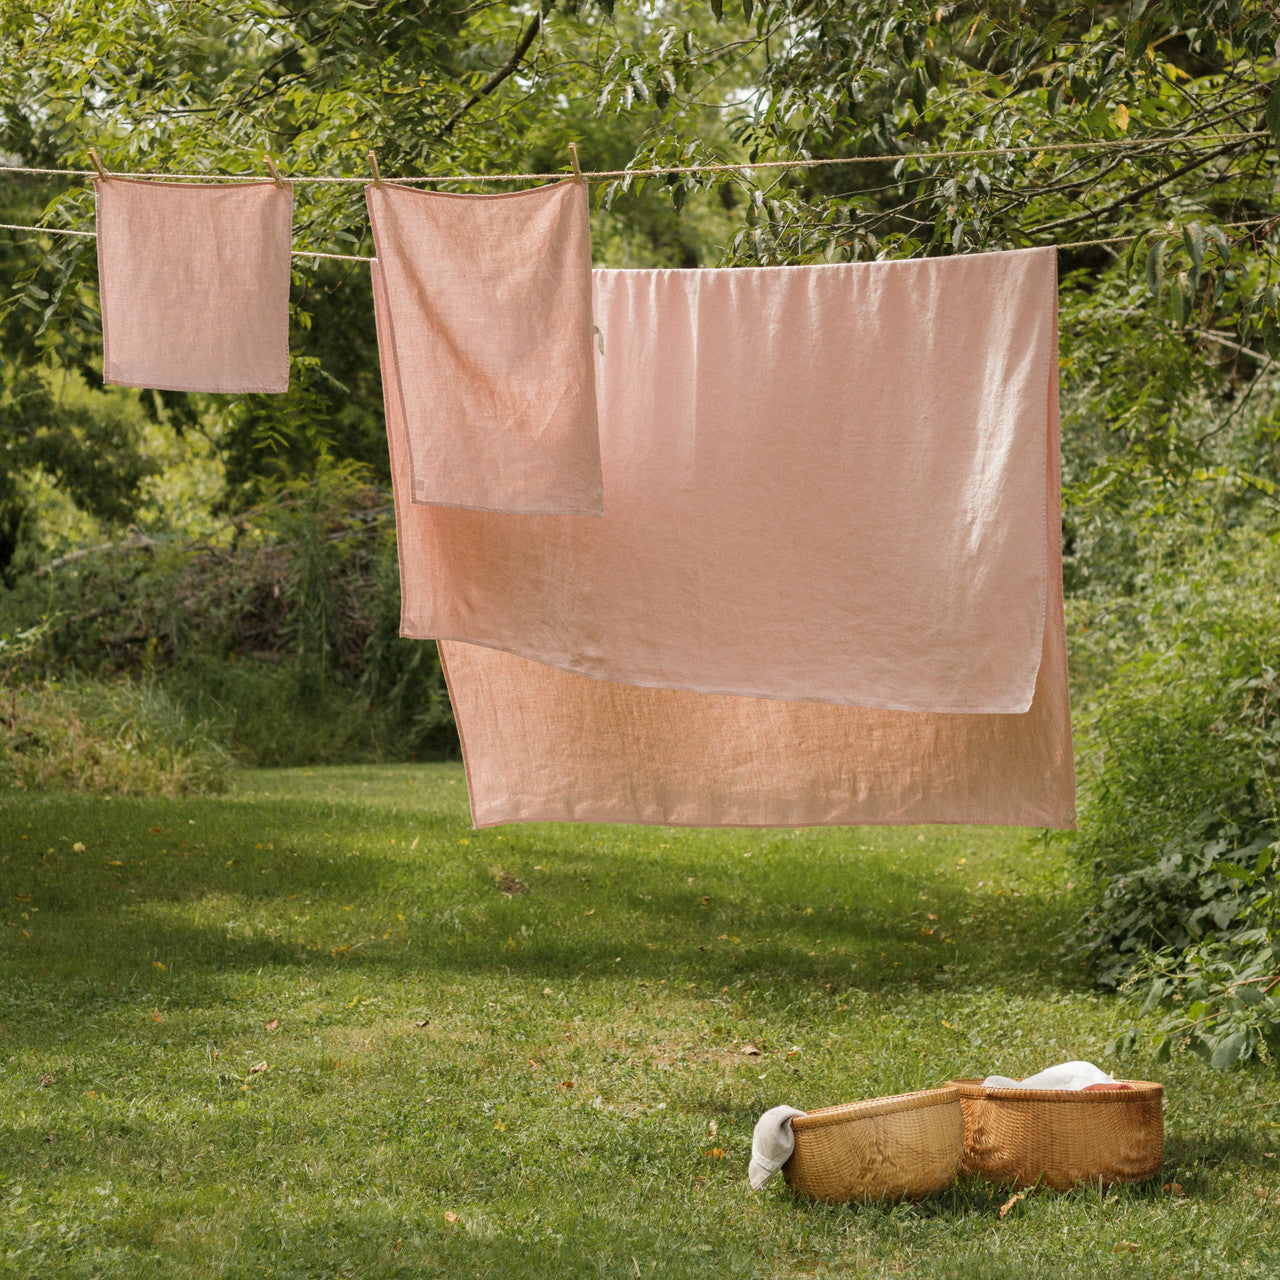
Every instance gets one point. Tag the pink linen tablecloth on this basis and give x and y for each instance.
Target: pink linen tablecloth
(543, 743)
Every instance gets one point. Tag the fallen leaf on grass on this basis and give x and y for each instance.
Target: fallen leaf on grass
(712, 1129)
(156, 1015)
(426, 1022)
(450, 1216)
(258, 1068)
(1011, 1201)
(1129, 1245)
(751, 1051)
(45, 1081)
(156, 831)
(78, 847)
(395, 1248)
(508, 884)
(715, 1153)
(566, 1085)
(273, 1024)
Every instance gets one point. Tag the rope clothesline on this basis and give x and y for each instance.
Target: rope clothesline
(1095, 144)
(1144, 145)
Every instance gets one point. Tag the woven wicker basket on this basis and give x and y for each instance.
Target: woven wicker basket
(1058, 1138)
(884, 1148)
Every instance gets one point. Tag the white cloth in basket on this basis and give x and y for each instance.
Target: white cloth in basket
(1066, 1075)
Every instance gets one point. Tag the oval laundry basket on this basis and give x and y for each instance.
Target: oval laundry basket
(884, 1148)
(1058, 1137)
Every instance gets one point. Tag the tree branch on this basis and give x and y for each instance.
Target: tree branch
(507, 69)
(1132, 197)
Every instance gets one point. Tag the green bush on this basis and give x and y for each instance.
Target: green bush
(122, 738)
(282, 633)
(1180, 816)
(1187, 725)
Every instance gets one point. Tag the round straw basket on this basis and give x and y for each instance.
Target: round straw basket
(1058, 1138)
(908, 1145)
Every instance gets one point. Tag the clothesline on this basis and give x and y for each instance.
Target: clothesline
(1095, 144)
(1144, 145)
(359, 257)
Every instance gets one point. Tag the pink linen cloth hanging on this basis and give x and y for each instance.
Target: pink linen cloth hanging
(194, 281)
(545, 744)
(821, 484)
(488, 331)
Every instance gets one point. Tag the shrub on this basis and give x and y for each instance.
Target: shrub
(282, 632)
(123, 738)
(1180, 814)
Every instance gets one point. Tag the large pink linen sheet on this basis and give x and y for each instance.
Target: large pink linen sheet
(820, 484)
(547, 744)
(194, 281)
(487, 328)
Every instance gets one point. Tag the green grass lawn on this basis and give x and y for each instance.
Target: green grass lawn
(321, 1028)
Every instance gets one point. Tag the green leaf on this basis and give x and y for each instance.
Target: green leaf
(747, 8)
(1233, 872)
(1154, 997)
(1229, 1051)
(1193, 238)
(1155, 265)
(1272, 116)
(717, 8)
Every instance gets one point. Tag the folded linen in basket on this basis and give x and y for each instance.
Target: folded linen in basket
(821, 483)
(194, 282)
(541, 744)
(772, 1144)
(1066, 1075)
(487, 327)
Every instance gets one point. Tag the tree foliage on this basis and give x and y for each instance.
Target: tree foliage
(1181, 307)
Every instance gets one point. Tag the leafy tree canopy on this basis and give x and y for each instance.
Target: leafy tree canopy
(1169, 326)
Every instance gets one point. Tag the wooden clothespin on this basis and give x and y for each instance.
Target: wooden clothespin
(97, 164)
(573, 160)
(274, 172)
(373, 164)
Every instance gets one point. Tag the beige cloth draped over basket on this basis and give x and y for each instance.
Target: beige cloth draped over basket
(1059, 1138)
(911, 1144)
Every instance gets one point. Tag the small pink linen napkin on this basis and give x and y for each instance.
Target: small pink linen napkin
(194, 280)
(488, 331)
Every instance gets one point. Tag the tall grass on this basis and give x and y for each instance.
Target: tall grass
(128, 738)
